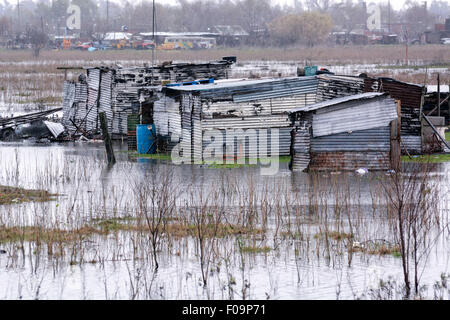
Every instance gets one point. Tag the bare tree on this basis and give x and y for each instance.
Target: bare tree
(38, 40)
(413, 201)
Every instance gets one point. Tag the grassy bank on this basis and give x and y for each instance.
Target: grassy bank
(432, 158)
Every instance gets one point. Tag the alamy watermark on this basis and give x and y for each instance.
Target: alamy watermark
(73, 21)
(232, 146)
(374, 19)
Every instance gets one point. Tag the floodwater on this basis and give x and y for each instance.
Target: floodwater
(119, 265)
(89, 189)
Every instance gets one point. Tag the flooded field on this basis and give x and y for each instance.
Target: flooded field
(148, 229)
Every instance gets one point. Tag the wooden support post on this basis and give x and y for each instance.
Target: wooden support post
(439, 94)
(395, 146)
(395, 140)
(107, 138)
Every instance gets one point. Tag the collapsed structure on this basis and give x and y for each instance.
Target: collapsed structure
(121, 92)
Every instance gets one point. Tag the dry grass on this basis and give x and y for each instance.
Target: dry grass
(334, 235)
(11, 195)
(44, 235)
(109, 226)
(342, 54)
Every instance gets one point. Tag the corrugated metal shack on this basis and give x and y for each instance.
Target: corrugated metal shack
(193, 114)
(410, 95)
(244, 105)
(121, 92)
(346, 133)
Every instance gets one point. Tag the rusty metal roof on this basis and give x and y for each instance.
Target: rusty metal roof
(337, 101)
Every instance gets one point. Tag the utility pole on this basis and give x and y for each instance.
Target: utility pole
(18, 14)
(107, 15)
(439, 93)
(389, 16)
(153, 38)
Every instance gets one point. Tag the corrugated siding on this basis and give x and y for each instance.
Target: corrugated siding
(412, 143)
(250, 143)
(74, 106)
(331, 87)
(377, 139)
(301, 140)
(202, 117)
(411, 96)
(92, 102)
(276, 121)
(354, 116)
(167, 118)
(280, 89)
(106, 101)
(68, 101)
(257, 108)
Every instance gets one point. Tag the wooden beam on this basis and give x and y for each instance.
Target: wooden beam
(107, 139)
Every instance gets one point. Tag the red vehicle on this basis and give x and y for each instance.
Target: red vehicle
(84, 46)
(143, 45)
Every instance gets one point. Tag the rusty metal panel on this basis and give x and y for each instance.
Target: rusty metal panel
(411, 97)
(348, 161)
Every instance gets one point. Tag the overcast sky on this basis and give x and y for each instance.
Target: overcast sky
(396, 4)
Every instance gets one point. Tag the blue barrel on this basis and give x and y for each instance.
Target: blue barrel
(145, 135)
(311, 71)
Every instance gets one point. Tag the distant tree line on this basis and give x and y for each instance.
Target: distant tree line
(307, 22)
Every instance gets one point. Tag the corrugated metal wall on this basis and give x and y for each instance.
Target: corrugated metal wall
(240, 109)
(348, 135)
(74, 106)
(354, 116)
(377, 139)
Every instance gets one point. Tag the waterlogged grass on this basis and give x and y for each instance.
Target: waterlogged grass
(104, 227)
(229, 165)
(254, 250)
(334, 235)
(41, 234)
(249, 163)
(156, 156)
(433, 158)
(12, 195)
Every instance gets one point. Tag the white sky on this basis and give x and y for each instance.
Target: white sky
(396, 4)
